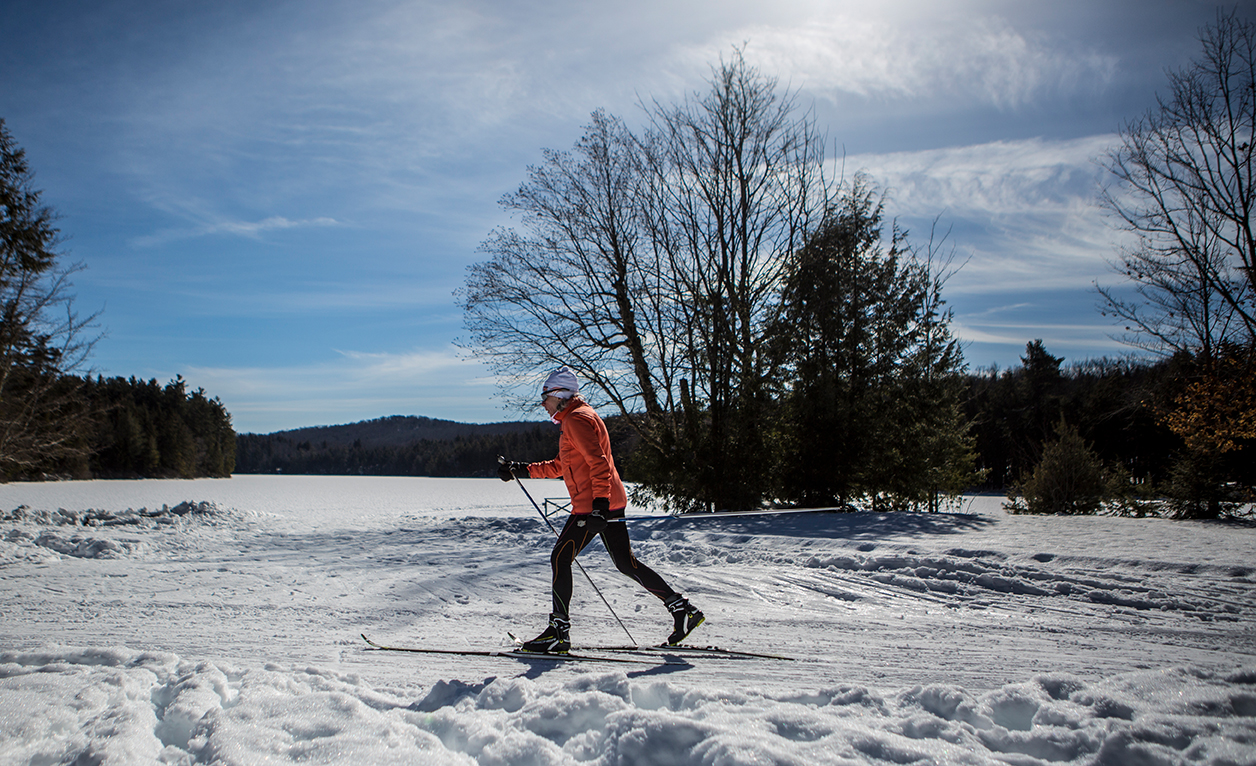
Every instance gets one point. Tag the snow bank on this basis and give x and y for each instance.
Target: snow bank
(116, 706)
(39, 536)
(91, 517)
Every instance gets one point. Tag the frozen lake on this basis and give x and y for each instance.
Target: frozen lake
(319, 500)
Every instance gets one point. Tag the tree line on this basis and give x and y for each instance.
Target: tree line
(145, 430)
(1073, 438)
(1108, 421)
(470, 455)
(133, 429)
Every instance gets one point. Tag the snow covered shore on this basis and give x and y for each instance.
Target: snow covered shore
(138, 628)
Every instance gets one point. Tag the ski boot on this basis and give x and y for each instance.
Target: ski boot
(687, 617)
(556, 639)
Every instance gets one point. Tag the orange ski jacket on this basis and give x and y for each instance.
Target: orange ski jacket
(584, 460)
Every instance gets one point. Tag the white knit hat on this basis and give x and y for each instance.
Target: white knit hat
(561, 383)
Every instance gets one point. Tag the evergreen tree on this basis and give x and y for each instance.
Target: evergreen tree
(871, 409)
(154, 431)
(1070, 478)
(934, 453)
(1014, 413)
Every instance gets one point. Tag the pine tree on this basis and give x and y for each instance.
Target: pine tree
(1070, 478)
(872, 406)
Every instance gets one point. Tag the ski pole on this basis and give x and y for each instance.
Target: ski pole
(574, 560)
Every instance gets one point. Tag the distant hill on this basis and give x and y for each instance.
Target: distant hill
(400, 445)
(399, 430)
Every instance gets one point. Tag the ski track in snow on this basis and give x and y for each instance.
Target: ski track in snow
(225, 630)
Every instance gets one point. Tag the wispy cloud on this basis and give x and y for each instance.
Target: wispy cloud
(997, 178)
(443, 367)
(1021, 212)
(249, 229)
(1093, 338)
(934, 56)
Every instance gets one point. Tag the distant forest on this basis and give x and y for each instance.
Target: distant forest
(1118, 407)
(143, 429)
(124, 428)
(396, 446)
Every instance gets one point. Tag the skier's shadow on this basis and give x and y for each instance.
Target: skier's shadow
(672, 664)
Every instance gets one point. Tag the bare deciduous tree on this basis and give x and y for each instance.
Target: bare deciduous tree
(652, 265)
(1184, 188)
(737, 184)
(581, 286)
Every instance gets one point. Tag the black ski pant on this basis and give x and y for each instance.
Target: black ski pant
(575, 537)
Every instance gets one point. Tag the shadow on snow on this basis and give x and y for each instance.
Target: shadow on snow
(860, 525)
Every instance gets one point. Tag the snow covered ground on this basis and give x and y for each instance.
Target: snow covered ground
(218, 621)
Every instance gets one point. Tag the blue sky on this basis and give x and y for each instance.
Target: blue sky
(276, 200)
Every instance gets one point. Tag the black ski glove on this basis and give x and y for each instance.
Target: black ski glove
(595, 522)
(510, 470)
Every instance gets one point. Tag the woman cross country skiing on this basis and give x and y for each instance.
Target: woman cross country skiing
(598, 501)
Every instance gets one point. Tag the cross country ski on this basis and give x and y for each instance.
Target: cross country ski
(676, 650)
(519, 655)
(683, 650)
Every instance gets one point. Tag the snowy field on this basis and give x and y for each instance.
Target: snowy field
(218, 621)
